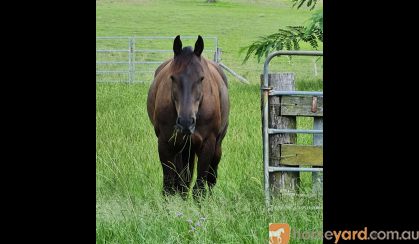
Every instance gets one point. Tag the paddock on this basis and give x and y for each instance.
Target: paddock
(129, 205)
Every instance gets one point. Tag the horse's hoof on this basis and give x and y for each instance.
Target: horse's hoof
(199, 193)
(168, 192)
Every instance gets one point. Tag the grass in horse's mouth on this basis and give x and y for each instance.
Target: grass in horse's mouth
(174, 135)
(188, 138)
(184, 145)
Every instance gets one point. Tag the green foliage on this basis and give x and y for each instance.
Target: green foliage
(309, 3)
(289, 37)
(316, 24)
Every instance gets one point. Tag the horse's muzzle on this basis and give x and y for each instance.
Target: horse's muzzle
(186, 126)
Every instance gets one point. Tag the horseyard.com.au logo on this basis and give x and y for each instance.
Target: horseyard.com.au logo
(279, 233)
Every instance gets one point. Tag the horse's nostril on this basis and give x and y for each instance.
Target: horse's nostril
(186, 125)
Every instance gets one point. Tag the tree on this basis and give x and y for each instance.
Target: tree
(290, 36)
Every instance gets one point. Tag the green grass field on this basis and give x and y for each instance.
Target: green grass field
(129, 205)
(235, 23)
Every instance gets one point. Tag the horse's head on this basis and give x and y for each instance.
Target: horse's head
(187, 76)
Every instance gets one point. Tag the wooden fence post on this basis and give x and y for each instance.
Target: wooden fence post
(281, 182)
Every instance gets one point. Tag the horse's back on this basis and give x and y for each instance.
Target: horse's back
(152, 92)
(219, 71)
(223, 95)
(161, 66)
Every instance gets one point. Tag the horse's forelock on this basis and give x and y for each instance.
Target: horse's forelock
(181, 61)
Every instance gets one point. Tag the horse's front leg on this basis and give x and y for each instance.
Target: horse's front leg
(205, 155)
(169, 168)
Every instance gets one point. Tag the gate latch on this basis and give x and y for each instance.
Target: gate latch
(314, 105)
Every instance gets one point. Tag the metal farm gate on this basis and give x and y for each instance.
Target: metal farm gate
(281, 104)
(134, 59)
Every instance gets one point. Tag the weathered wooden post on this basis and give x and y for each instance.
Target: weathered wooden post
(281, 182)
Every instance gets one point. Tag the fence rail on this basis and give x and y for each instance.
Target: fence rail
(131, 62)
(137, 56)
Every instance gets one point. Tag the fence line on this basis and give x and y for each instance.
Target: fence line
(132, 52)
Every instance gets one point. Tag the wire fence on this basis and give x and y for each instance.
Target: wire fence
(305, 68)
(134, 59)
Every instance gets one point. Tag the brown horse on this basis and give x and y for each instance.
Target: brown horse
(188, 106)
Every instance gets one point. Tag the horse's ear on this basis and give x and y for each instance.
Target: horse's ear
(177, 45)
(199, 46)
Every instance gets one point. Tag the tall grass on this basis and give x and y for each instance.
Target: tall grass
(130, 208)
